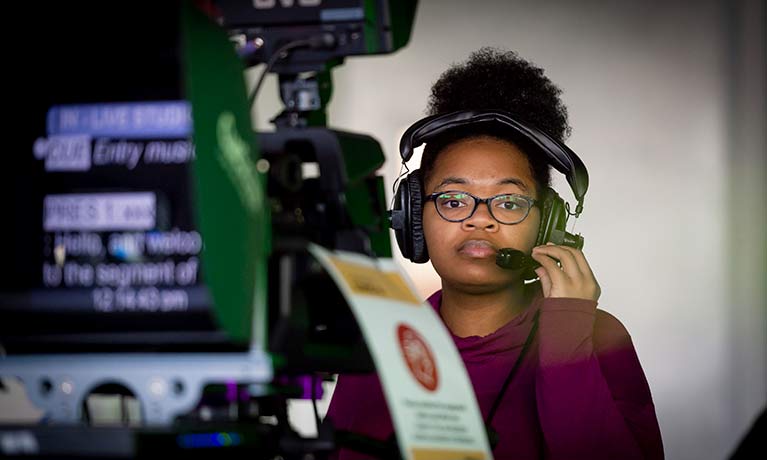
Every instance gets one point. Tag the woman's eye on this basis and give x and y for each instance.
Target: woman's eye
(509, 205)
(452, 204)
(452, 200)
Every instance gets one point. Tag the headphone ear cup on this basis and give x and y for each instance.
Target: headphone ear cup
(553, 219)
(400, 219)
(420, 253)
(407, 218)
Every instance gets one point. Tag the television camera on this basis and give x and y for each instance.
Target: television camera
(159, 258)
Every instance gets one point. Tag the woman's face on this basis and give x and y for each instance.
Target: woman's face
(463, 253)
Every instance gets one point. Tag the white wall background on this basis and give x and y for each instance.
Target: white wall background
(667, 104)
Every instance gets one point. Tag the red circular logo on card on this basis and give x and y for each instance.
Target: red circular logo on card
(419, 358)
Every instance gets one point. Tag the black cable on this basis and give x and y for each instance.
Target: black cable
(87, 420)
(324, 40)
(124, 416)
(399, 177)
(314, 402)
(270, 63)
(512, 372)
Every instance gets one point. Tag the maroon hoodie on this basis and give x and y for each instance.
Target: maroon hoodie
(579, 392)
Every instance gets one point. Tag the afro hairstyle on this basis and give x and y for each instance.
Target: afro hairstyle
(500, 80)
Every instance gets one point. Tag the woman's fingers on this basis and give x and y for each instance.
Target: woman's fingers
(543, 276)
(566, 258)
(548, 263)
(580, 260)
(565, 272)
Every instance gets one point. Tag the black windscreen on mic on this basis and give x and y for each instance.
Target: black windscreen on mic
(512, 259)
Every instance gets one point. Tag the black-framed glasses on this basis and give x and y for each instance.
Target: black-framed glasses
(506, 208)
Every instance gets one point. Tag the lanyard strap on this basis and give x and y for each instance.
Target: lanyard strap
(491, 433)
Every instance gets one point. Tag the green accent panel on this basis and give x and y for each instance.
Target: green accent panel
(370, 32)
(362, 155)
(278, 361)
(232, 211)
(367, 207)
(402, 13)
(380, 240)
(365, 194)
(359, 205)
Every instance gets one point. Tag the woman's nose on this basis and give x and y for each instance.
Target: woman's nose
(481, 219)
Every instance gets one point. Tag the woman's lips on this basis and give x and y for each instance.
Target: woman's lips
(479, 249)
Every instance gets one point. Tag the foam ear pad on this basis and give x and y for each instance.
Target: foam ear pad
(407, 218)
(399, 219)
(420, 252)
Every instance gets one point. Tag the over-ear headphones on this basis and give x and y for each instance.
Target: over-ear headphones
(407, 211)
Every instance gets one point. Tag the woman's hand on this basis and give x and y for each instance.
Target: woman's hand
(571, 277)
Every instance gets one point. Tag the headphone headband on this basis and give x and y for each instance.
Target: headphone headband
(558, 154)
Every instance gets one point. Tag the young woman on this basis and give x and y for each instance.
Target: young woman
(579, 390)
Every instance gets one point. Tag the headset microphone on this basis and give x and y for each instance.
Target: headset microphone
(512, 259)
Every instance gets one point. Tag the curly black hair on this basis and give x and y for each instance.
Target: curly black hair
(501, 80)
